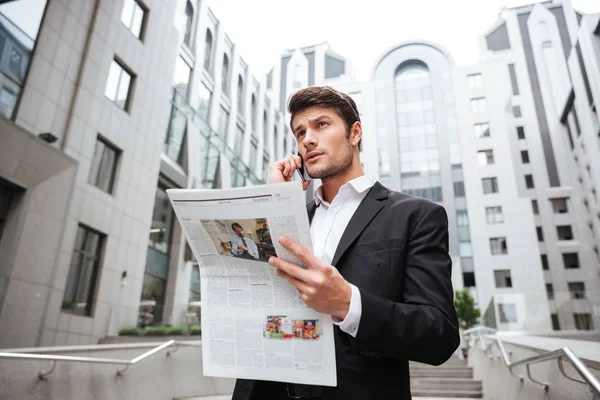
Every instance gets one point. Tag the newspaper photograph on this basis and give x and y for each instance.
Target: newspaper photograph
(254, 323)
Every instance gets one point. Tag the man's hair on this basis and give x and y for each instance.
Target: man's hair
(326, 97)
(236, 224)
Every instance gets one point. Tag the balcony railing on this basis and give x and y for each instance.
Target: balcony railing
(212, 147)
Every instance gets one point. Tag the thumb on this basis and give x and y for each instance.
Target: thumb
(305, 184)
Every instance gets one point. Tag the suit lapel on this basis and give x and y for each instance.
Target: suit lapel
(368, 209)
(311, 208)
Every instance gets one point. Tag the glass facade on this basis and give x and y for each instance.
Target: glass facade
(418, 147)
(19, 27)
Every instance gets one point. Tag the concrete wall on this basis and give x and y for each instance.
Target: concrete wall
(158, 377)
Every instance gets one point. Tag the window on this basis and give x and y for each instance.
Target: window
(478, 105)
(104, 166)
(133, 16)
(276, 142)
(564, 232)
(469, 279)
(482, 130)
(502, 278)
(529, 181)
(513, 79)
(555, 324)
(83, 271)
(474, 81)
(576, 121)
(507, 312)
(494, 215)
(239, 140)
(534, 206)
(6, 195)
(225, 75)
(189, 17)
(545, 265)
(208, 42)
(486, 157)
(550, 291)
(490, 185)
(161, 229)
(253, 153)
(240, 95)
(517, 111)
(8, 100)
(577, 290)
(559, 205)
(204, 96)
(181, 79)
(119, 85)
(265, 130)
(571, 260)
(223, 122)
(459, 189)
(524, 156)
(465, 249)
(462, 218)
(498, 245)
(520, 132)
(540, 233)
(583, 321)
(567, 124)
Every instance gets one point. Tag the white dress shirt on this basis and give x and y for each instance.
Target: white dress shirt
(243, 241)
(328, 226)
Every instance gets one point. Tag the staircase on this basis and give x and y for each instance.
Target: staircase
(454, 379)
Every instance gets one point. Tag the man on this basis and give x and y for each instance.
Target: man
(241, 246)
(380, 266)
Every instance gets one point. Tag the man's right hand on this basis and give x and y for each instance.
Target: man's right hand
(284, 170)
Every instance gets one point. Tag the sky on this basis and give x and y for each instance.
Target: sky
(360, 30)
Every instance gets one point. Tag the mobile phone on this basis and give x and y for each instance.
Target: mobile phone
(301, 169)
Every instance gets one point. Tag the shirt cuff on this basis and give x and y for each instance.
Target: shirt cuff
(352, 320)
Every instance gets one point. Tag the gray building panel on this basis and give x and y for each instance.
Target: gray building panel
(562, 28)
(498, 40)
(334, 67)
(539, 105)
(310, 56)
(282, 88)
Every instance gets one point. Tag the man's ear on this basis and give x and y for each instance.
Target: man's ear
(356, 133)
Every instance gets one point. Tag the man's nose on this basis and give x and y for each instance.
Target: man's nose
(310, 138)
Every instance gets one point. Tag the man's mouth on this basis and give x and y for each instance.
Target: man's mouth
(313, 156)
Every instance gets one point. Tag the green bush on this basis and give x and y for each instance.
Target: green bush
(196, 330)
(155, 331)
(176, 330)
(130, 331)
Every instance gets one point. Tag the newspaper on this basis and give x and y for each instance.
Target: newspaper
(254, 323)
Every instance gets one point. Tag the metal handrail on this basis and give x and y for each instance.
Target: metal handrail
(559, 355)
(96, 360)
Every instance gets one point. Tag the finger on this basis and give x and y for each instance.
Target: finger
(305, 184)
(300, 251)
(291, 269)
(298, 161)
(303, 287)
(292, 165)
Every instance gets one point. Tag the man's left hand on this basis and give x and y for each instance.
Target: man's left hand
(321, 286)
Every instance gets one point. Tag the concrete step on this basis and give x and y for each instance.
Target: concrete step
(451, 394)
(425, 373)
(451, 384)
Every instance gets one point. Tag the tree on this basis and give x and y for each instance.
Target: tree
(466, 311)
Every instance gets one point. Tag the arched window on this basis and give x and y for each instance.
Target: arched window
(417, 134)
(240, 94)
(265, 129)
(189, 17)
(208, 41)
(253, 112)
(225, 74)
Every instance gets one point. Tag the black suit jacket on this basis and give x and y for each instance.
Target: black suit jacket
(395, 250)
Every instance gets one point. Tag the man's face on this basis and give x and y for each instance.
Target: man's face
(239, 231)
(323, 142)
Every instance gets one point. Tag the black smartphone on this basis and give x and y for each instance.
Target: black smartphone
(301, 169)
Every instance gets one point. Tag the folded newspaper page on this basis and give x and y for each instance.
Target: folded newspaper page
(254, 323)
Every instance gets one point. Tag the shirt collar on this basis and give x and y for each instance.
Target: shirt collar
(360, 185)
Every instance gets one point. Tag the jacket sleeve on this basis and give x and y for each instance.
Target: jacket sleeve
(422, 327)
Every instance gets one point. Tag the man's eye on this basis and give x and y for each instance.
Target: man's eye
(322, 124)
(300, 134)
